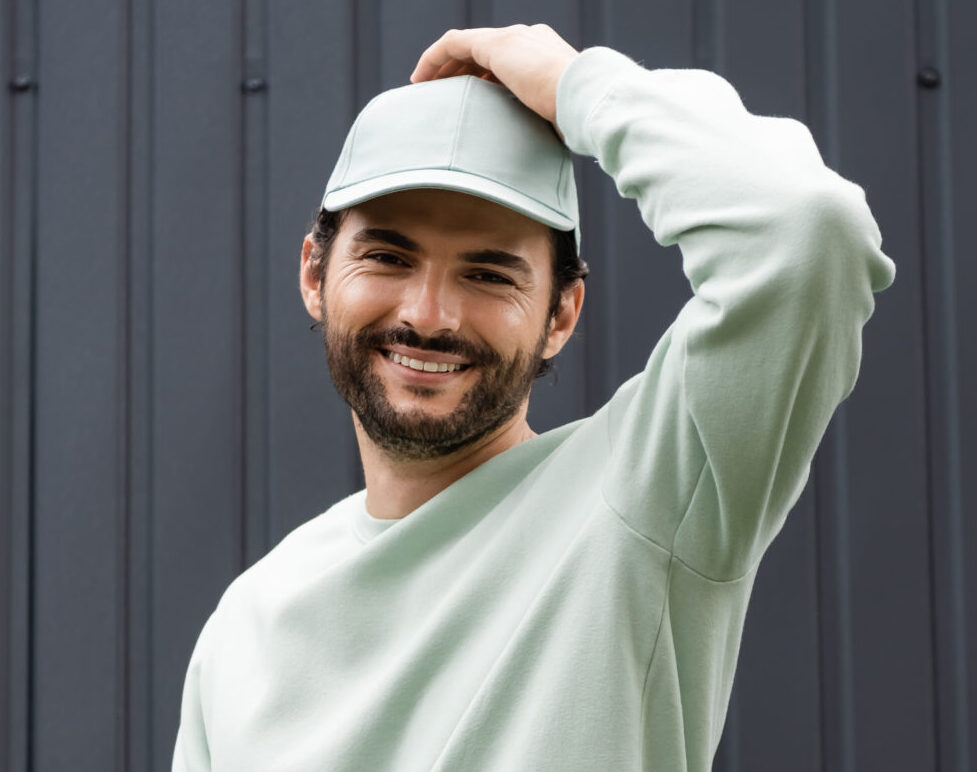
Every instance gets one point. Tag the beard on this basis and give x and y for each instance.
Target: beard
(413, 433)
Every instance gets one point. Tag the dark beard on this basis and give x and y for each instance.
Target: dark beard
(413, 434)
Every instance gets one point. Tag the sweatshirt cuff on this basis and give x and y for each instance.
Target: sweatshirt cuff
(584, 83)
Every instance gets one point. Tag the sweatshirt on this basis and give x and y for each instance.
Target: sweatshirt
(577, 601)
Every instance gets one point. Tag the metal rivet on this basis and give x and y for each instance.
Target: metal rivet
(21, 83)
(253, 85)
(928, 77)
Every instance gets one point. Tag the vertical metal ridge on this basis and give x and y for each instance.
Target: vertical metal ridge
(137, 317)
(942, 404)
(821, 93)
(354, 36)
(837, 710)
(22, 243)
(150, 361)
(240, 365)
(708, 34)
(729, 754)
(254, 299)
(123, 414)
(931, 411)
(834, 602)
(7, 380)
(366, 46)
(719, 38)
(18, 133)
(143, 322)
(265, 374)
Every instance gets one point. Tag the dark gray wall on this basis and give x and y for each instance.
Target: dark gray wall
(166, 416)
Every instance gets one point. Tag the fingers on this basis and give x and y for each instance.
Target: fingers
(527, 60)
(455, 67)
(450, 68)
(454, 46)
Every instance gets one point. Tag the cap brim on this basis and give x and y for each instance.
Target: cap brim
(447, 179)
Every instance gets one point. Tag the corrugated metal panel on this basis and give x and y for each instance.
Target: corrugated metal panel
(166, 417)
(18, 120)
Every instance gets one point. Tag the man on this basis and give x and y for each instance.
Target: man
(496, 600)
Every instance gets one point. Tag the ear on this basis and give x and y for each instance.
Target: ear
(564, 321)
(309, 280)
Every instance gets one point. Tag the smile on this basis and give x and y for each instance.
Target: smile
(422, 365)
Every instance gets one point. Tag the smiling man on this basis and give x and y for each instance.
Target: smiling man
(438, 309)
(498, 600)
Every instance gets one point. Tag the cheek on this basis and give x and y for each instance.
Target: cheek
(357, 300)
(507, 325)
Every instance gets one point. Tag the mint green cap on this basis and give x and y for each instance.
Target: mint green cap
(461, 133)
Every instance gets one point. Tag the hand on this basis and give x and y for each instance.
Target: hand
(527, 60)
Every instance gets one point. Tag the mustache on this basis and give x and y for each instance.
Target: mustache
(446, 343)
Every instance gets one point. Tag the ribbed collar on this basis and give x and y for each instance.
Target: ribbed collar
(366, 526)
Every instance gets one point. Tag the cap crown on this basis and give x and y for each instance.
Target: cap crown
(460, 133)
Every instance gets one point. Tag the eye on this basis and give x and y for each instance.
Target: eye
(386, 258)
(491, 277)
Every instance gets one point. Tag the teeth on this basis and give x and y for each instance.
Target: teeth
(421, 365)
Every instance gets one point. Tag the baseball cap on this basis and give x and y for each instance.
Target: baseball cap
(459, 133)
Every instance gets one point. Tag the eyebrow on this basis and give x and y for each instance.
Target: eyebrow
(500, 258)
(388, 236)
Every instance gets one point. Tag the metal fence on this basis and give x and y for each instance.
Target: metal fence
(166, 416)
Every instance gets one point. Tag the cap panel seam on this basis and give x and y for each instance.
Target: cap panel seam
(461, 115)
(560, 199)
(352, 142)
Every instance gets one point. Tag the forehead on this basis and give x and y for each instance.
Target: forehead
(431, 215)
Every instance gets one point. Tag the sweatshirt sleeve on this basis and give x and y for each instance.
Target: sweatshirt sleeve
(711, 445)
(191, 752)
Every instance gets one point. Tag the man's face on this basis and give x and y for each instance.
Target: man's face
(435, 310)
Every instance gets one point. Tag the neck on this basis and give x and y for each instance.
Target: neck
(395, 487)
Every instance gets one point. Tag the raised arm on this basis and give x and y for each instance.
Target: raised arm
(712, 445)
(782, 255)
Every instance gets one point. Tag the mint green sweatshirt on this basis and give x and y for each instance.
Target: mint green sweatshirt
(577, 602)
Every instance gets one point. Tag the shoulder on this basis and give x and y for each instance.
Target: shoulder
(303, 553)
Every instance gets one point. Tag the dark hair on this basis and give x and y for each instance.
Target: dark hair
(567, 265)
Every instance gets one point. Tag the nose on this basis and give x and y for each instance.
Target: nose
(430, 304)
